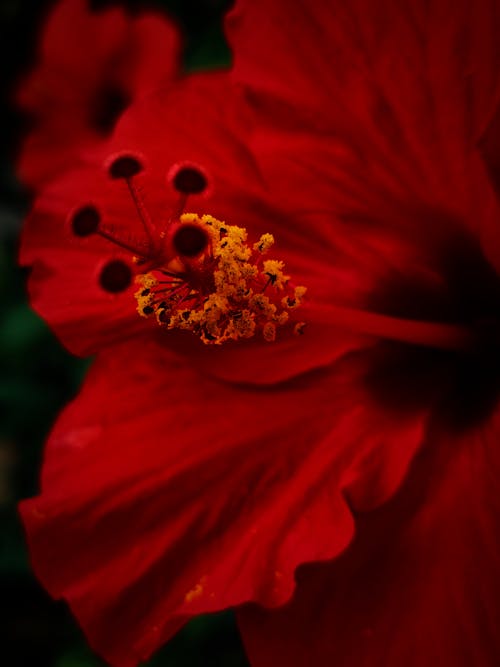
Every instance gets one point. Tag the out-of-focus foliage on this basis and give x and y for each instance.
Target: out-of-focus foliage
(38, 377)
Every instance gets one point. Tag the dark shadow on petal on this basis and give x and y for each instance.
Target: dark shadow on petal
(489, 148)
(108, 105)
(461, 388)
(458, 285)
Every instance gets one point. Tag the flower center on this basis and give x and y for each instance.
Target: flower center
(218, 286)
(198, 273)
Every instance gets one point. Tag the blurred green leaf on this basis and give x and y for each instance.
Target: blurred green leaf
(20, 329)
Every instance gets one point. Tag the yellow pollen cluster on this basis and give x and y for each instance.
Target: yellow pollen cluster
(229, 292)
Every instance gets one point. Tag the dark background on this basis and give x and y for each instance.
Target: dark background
(37, 377)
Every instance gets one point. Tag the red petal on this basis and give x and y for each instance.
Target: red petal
(363, 106)
(332, 53)
(420, 584)
(166, 494)
(156, 60)
(83, 56)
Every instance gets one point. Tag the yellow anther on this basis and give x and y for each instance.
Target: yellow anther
(300, 292)
(242, 325)
(264, 243)
(273, 268)
(262, 304)
(282, 318)
(299, 328)
(192, 217)
(294, 301)
(269, 332)
(197, 591)
(145, 295)
(147, 281)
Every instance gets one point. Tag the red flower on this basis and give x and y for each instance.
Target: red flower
(91, 66)
(187, 476)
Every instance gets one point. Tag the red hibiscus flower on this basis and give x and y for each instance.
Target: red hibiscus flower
(91, 66)
(214, 458)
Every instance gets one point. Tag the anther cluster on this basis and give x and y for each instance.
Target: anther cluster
(227, 292)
